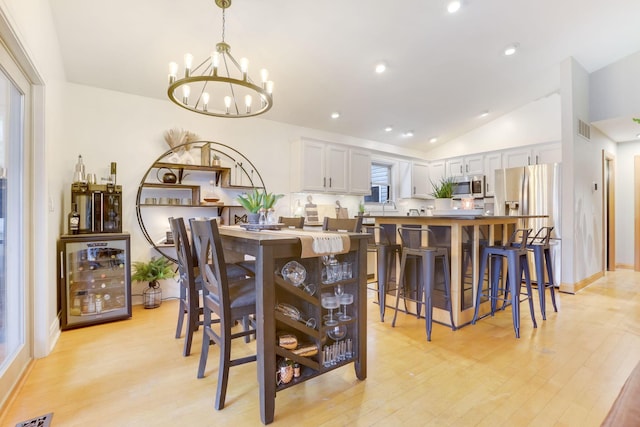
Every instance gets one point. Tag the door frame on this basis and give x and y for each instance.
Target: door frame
(609, 210)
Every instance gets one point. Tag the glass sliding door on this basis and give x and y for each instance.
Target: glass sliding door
(15, 324)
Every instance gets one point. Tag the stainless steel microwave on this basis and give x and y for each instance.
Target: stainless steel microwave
(469, 187)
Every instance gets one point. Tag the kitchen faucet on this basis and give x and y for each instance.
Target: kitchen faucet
(386, 202)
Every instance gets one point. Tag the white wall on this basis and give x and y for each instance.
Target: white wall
(615, 89)
(535, 123)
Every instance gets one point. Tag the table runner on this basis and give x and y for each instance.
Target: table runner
(316, 243)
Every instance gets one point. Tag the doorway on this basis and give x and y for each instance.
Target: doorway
(608, 207)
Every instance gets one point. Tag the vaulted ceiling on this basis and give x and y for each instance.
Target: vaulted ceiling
(443, 70)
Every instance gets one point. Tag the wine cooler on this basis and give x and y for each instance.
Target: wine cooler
(94, 279)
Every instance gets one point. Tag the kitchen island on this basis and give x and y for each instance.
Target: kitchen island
(463, 236)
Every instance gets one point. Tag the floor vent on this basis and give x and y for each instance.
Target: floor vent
(584, 130)
(41, 421)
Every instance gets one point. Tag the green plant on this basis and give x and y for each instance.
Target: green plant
(443, 189)
(257, 199)
(152, 271)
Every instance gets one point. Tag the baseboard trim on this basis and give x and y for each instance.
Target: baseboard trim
(8, 402)
(575, 287)
(625, 266)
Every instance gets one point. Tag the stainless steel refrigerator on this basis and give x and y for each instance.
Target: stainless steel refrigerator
(530, 191)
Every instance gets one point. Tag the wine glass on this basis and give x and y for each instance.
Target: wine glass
(330, 302)
(293, 313)
(337, 332)
(345, 299)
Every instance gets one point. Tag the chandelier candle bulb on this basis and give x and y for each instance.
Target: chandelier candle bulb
(244, 67)
(186, 91)
(173, 72)
(227, 103)
(215, 62)
(265, 76)
(188, 62)
(205, 101)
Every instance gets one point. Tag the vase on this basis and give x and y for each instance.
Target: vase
(253, 217)
(443, 204)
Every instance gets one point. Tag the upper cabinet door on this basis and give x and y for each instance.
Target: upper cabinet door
(420, 180)
(336, 172)
(312, 166)
(455, 166)
(547, 153)
(516, 158)
(359, 172)
(492, 162)
(474, 165)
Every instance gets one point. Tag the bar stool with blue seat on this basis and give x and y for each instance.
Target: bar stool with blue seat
(386, 252)
(425, 257)
(541, 248)
(515, 253)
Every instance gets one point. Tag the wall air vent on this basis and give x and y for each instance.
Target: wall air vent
(584, 130)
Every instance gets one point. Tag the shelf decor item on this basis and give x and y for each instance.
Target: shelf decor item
(157, 268)
(256, 200)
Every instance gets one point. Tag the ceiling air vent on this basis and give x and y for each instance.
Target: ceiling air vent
(584, 130)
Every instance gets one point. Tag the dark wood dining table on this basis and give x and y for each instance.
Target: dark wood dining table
(270, 249)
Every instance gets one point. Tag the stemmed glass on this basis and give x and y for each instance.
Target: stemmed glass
(345, 299)
(293, 313)
(330, 302)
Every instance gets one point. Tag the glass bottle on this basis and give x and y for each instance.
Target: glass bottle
(74, 220)
(271, 216)
(263, 218)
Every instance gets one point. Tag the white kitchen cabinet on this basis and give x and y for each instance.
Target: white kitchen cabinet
(492, 162)
(359, 172)
(535, 155)
(547, 153)
(414, 180)
(468, 165)
(320, 167)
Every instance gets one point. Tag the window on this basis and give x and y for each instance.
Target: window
(380, 183)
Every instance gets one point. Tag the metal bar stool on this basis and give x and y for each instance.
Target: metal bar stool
(539, 245)
(412, 248)
(517, 266)
(386, 252)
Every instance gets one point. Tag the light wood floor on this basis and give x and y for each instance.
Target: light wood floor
(566, 373)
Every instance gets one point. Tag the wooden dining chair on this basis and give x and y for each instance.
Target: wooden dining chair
(230, 301)
(291, 222)
(190, 282)
(353, 225)
(189, 299)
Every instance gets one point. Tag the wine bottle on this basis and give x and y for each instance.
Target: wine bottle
(74, 220)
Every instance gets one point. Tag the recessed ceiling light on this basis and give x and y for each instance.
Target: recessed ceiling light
(484, 114)
(454, 6)
(388, 129)
(511, 49)
(381, 68)
(335, 115)
(408, 133)
(433, 140)
(638, 136)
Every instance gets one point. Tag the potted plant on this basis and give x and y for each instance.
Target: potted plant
(152, 271)
(443, 192)
(256, 200)
(215, 160)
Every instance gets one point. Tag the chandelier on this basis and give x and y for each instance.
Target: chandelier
(220, 86)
